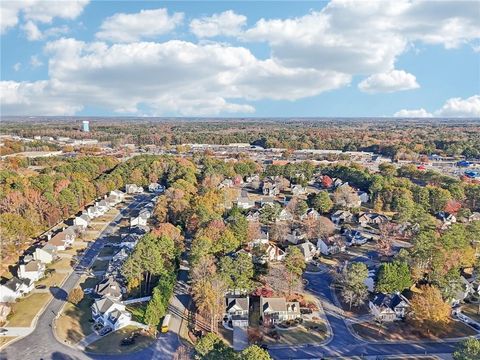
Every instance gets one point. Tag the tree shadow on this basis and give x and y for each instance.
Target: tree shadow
(58, 293)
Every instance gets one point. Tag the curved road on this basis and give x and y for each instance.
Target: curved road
(342, 342)
(41, 343)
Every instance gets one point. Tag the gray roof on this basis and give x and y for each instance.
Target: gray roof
(242, 303)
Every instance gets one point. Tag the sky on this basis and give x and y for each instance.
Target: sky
(346, 58)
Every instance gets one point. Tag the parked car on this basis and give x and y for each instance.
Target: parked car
(40, 287)
(3, 330)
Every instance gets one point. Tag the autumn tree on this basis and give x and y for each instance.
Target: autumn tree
(75, 296)
(428, 307)
(346, 197)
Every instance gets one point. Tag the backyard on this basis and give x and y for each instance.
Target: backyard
(111, 343)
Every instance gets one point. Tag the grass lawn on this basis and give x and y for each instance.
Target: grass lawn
(471, 310)
(61, 264)
(138, 311)
(100, 265)
(303, 334)
(74, 249)
(73, 324)
(54, 279)
(5, 340)
(110, 344)
(408, 331)
(24, 310)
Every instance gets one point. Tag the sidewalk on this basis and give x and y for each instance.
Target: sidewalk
(17, 331)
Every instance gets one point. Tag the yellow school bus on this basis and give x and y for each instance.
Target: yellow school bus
(165, 323)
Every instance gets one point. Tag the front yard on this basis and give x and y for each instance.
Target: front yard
(74, 322)
(5, 340)
(112, 343)
(61, 265)
(24, 310)
(53, 279)
(401, 330)
(308, 333)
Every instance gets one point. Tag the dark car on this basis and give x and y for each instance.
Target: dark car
(3, 331)
(264, 346)
(127, 341)
(40, 287)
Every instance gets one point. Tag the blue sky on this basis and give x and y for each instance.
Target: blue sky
(213, 58)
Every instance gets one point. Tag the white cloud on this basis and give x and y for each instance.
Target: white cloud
(418, 113)
(227, 23)
(31, 31)
(133, 27)
(38, 11)
(17, 66)
(175, 76)
(366, 39)
(454, 107)
(35, 62)
(458, 107)
(395, 80)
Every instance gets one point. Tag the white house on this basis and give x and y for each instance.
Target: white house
(15, 288)
(447, 218)
(33, 270)
(133, 189)
(244, 202)
(332, 245)
(236, 311)
(364, 197)
(284, 215)
(110, 312)
(94, 211)
(155, 187)
(276, 310)
(45, 254)
(119, 195)
(253, 216)
(140, 220)
(274, 253)
(298, 190)
(372, 219)
(103, 206)
(64, 239)
(262, 238)
(308, 250)
(296, 236)
(389, 307)
(108, 287)
(145, 212)
(310, 214)
(82, 221)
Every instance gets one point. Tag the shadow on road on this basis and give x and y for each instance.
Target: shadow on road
(58, 293)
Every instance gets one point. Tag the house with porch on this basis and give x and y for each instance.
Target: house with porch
(33, 270)
(236, 311)
(14, 289)
(389, 307)
(111, 313)
(275, 310)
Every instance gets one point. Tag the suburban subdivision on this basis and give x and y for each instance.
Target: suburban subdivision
(226, 251)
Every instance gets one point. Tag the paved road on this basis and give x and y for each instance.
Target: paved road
(41, 344)
(343, 343)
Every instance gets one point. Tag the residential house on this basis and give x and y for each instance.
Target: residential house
(103, 206)
(33, 270)
(298, 190)
(244, 202)
(474, 217)
(274, 253)
(155, 188)
(236, 311)
(296, 236)
(465, 289)
(140, 220)
(267, 201)
(110, 313)
(308, 250)
(94, 211)
(119, 195)
(133, 189)
(331, 245)
(270, 188)
(261, 239)
(82, 221)
(252, 178)
(225, 183)
(355, 237)
(311, 213)
(253, 216)
(108, 287)
(276, 310)
(446, 218)
(146, 212)
(46, 254)
(341, 216)
(365, 219)
(14, 289)
(128, 241)
(364, 197)
(285, 215)
(389, 307)
(64, 239)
